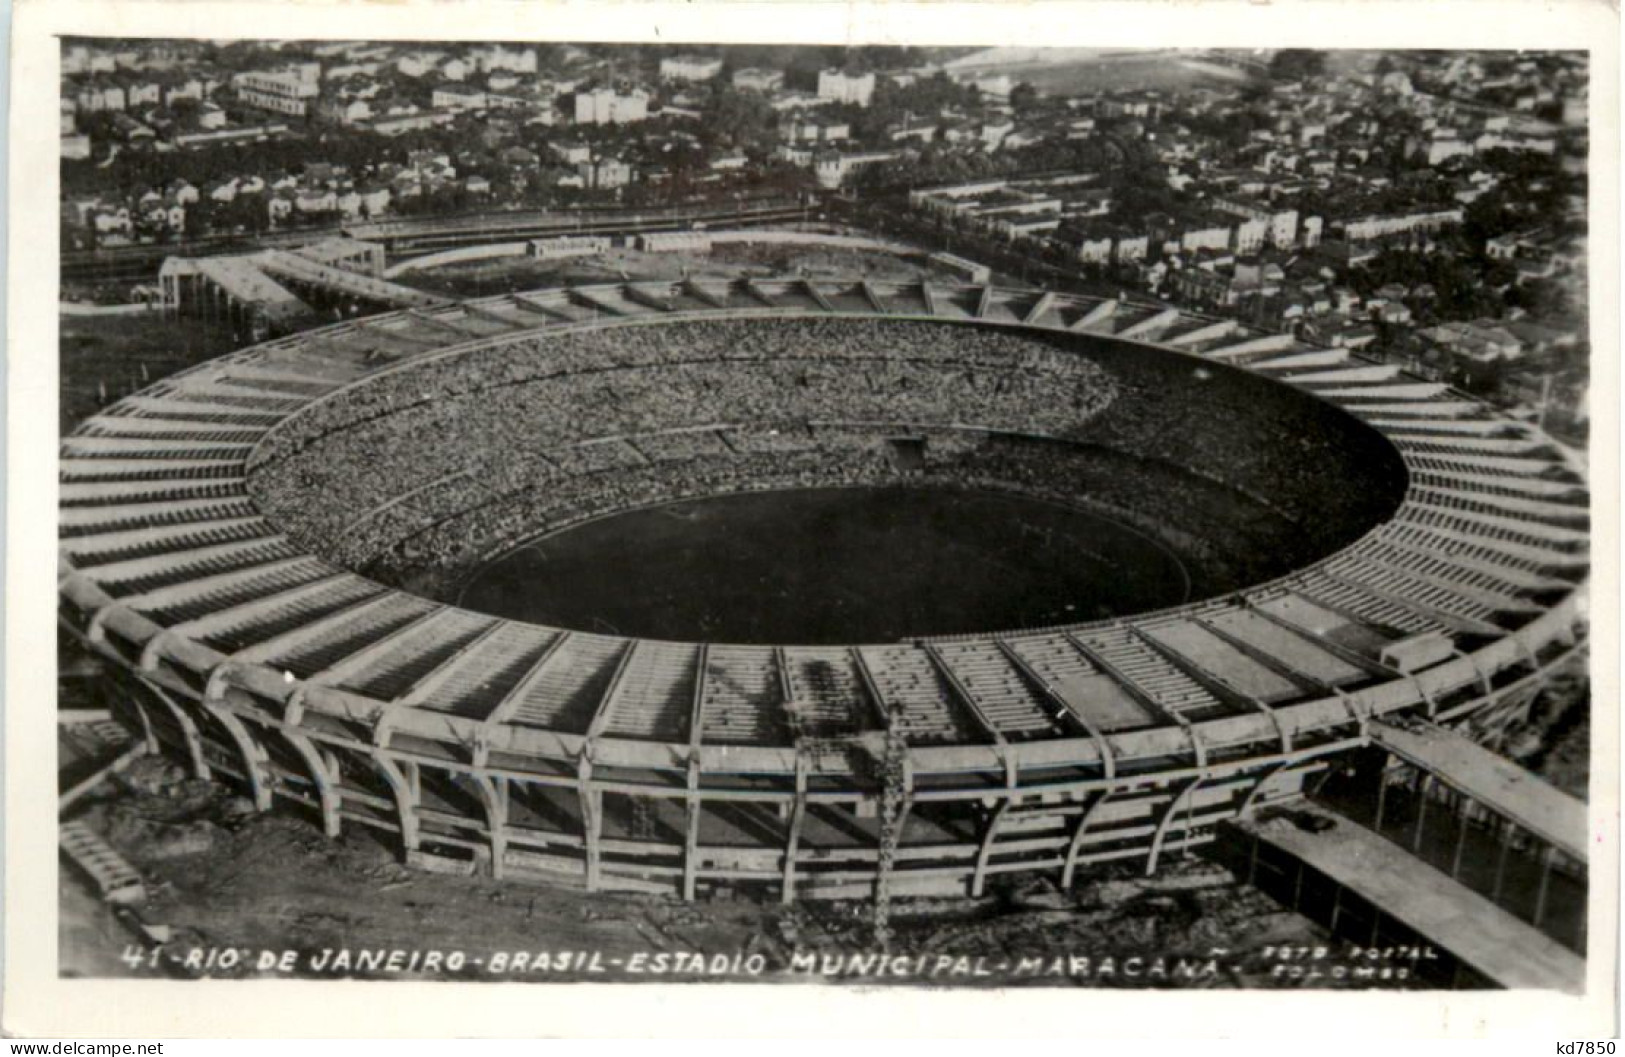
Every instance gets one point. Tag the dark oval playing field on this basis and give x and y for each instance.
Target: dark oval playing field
(833, 565)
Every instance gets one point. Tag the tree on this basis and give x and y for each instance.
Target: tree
(1023, 97)
(738, 118)
(1297, 64)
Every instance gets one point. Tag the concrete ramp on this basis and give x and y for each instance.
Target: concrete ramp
(291, 267)
(235, 280)
(1492, 781)
(1474, 930)
(355, 255)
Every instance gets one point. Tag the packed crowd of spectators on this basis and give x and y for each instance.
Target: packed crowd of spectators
(483, 411)
(426, 470)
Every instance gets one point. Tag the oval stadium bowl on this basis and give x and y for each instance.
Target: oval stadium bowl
(268, 546)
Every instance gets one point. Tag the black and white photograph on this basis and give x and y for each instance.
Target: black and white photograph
(875, 517)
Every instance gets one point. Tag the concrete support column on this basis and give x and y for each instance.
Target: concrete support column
(189, 730)
(323, 776)
(984, 851)
(798, 815)
(691, 830)
(592, 822)
(493, 793)
(254, 758)
(149, 737)
(1165, 823)
(401, 777)
(1074, 851)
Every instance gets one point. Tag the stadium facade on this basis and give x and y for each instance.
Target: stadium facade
(198, 556)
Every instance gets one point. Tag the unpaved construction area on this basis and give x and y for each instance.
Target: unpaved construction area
(233, 893)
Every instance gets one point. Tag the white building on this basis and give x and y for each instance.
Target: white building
(568, 246)
(605, 106)
(846, 88)
(191, 88)
(689, 68)
(675, 242)
(1251, 234)
(1446, 147)
(832, 170)
(1205, 236)
(96, 98)
(456, 97)
(75, 146)
(801, 128)
(1095, 249)
(758, 79)
(1132, 248)
(419, 63)
(604, 174)
(519, 59)
(1376, 227)
(1280, 225)
(283, 91)
(1311, 232)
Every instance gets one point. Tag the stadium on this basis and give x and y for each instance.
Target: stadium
(281, 551)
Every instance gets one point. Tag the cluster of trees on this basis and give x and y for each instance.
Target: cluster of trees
(738, 118)
(893, 105)
(1126, 165)
(1297, 64)
(1465, 286)
(1534, 190)
(1232, 127)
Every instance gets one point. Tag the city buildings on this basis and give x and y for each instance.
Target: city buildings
(288, 91)
(842, 87)
(689, 68)
(607, 106)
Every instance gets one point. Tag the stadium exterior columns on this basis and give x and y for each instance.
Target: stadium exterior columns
(1427, 695)
(1257, 791)
(148, 737)
(691, 801)
(1085, 819)
(1483, 677)
(592, 820)
(324, 779)
(984, 851)
(253, 755)
(1360, 715)
(1179, 799)
(188, 727)
(1528, 653)
(787, 890)
(401, 777)
(493, 795)
(691, 827)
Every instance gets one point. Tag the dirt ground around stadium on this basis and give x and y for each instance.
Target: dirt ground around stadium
(220, 877)
(104, 358)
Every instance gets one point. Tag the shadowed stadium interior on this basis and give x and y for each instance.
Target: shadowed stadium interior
(269, 545)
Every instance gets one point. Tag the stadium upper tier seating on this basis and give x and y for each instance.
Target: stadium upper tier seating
(427, 470)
